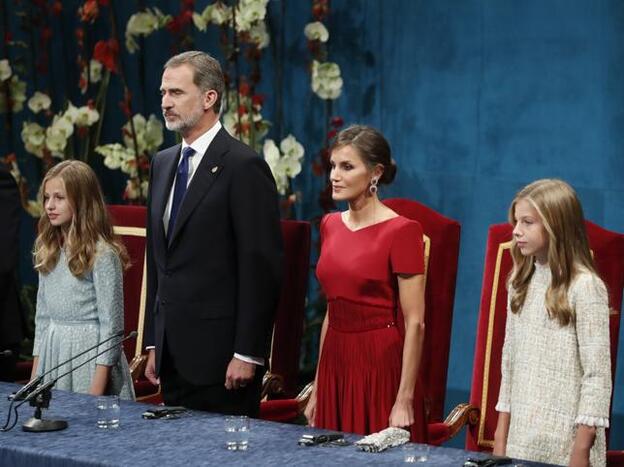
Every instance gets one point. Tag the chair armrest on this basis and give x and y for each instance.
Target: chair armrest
(462, 415)
(272, 386)
(137, 366)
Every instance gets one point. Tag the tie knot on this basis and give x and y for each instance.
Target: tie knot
(188, 152)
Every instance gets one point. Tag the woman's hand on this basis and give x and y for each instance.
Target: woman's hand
(310, 410)
(583, 442)
(579, 457)
(100, 380)
(500, 435)
(402, 414)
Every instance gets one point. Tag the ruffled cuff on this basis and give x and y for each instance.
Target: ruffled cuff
(502, 407)
(592, 421)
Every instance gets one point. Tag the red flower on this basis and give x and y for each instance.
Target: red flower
(317, 168)
(46, 34)
(10, 158)
(176, 25)
(242, 110)
(103, 2)
(320, 8)
(257, 100)
(57, 8)
(332, 133)
(337, 122)
(125, 104)
(8, 37)
(89, 11)
(244, 89)
(106, 52)
(144, 163)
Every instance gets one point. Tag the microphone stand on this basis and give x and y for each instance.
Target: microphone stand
(24, 391)
(41, 396)
(40, 399)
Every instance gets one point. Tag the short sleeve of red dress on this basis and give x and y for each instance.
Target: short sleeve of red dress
(407, 252)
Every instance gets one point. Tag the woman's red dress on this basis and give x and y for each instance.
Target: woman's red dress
(360, 363)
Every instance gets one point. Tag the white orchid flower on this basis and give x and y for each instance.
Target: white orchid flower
(292, 148)
(33, 136)
(38, 102)
(316, 31)
(5, 70)
(326, 80)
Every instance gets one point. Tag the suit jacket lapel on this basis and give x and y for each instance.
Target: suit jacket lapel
(203, 179)
(161, 191)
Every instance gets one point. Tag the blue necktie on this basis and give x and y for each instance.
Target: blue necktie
(180, 187)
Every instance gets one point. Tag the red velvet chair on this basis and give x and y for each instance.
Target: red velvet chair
(288, 328)
(441, 242)
(608, 250)
(129, 224)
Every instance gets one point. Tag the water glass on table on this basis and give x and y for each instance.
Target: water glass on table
(107, 411)
(415, 453)
(236, 432)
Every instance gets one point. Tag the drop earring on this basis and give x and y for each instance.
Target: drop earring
(373, 186)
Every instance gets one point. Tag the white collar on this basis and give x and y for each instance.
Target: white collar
(200, 145)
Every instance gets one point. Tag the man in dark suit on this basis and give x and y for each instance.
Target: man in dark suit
(214, 251)
(11, 331)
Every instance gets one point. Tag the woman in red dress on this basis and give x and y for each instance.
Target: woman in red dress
(371, 270)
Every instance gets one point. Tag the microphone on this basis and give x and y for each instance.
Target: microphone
(40, 397)
(24, 390)
(52, 382)
(6, 353)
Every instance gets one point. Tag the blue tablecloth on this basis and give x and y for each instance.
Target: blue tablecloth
(198, 439)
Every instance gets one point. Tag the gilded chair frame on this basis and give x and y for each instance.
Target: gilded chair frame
(502, 247)
(137, 365)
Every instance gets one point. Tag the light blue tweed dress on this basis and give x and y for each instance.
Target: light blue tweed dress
(74, 314)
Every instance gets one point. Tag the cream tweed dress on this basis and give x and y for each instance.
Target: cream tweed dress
(74, 314)
(555, 377)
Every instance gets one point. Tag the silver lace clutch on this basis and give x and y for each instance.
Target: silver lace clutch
(388, 438)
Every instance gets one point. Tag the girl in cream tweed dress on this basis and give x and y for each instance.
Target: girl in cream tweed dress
(556, 368)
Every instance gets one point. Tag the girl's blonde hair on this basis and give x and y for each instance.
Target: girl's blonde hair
(561, 213)
(90, 223)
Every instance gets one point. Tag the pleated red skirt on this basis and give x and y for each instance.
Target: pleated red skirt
(360, 371)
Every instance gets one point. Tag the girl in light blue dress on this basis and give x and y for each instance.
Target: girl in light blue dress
(80, 297)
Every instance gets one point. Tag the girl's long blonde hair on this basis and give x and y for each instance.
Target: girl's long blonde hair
(561, 213)
(90, 223)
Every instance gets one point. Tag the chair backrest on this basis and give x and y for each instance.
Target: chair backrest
(129, 224)
(608, 250)
(288, 328)
(441, 242)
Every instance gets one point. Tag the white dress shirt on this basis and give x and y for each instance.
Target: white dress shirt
(200, 146)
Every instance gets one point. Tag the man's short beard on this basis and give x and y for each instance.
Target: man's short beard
(182, 125)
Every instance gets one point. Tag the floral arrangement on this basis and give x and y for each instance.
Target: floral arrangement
(133, 157)
(13, 89)
(59, 128)
(326, 81)
(284, 162)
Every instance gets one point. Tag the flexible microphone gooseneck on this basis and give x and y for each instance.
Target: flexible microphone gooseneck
(25, 390)
(33, 389)
(52, 382)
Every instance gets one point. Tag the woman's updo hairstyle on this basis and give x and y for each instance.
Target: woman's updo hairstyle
(371, 146)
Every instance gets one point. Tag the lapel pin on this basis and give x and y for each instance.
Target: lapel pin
(214, 169)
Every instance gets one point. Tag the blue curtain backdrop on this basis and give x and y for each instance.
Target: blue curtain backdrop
(477, 97)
